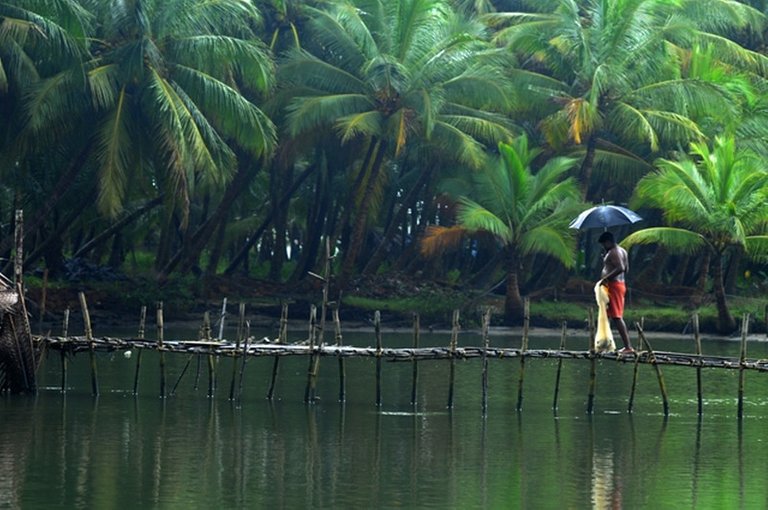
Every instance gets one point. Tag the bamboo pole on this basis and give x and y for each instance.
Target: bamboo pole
(415, 371)
(63, 352)
(89, 338)
(742, 359)
(312, 322)
(697, 339)
(211, 366)
(633, 388)
(657, 368)
(342, 370)
(238, 339)
(485, 327)
(142, 324)
(181, 375)
(452, 350)
(563, 336)
(592, 363)
(43, 300)
(282, 337)
(377, 330)
(18, 259)
(245, 357)
(320, 325)
(523, 348)
(160, 339)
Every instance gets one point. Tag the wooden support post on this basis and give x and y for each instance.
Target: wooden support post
(635, 371)
(563, 336)
(238, 339)
(89, 338)
(320, 324)
(18, 259)
(245, 357)
(415, 363)
(181, 375)
(282, 337)
(452, 351)
(377, 331)
(311, 338)
(523, 348)
(742, 361)
(342, 369)
(160, 346)
(485, 337)
(63, 352)
(697, 339)
(211, 365)
(592, 363)
(657, 368)
(142, 325)
(43, 300)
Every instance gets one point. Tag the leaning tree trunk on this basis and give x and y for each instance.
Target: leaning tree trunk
(513, 302)
(359, 230)
(725, 321)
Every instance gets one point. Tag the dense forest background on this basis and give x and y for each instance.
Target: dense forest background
(435, 146)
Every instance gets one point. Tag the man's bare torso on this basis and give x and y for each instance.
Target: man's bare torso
(615, 258)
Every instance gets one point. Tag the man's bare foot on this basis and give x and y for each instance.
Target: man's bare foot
(625, 351)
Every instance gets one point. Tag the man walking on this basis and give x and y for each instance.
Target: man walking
(615, 266)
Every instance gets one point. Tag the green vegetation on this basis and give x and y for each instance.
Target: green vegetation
(205, 146)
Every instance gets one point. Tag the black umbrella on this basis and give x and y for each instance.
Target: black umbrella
(605, 216)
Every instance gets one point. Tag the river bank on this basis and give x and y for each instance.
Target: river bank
(117, 304)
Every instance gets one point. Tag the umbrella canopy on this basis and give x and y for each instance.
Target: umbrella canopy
(605, 216)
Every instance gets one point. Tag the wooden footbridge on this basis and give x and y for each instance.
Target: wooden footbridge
(314, 347)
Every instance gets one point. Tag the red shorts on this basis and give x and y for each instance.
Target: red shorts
(616, 293)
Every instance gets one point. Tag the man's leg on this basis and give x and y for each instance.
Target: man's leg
(619, 324)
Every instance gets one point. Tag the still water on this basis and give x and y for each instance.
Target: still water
(189, 451)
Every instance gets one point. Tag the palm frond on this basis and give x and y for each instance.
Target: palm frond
(437, 239)
(676, 240)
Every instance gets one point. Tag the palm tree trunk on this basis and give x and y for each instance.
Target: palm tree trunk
(513, 302)
(725, 321)
(381, 251)
(361, 220)
(588, 164)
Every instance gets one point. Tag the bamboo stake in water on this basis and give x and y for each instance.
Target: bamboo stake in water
(211, 366)
(742, 360)
(563, 336)
(282, 337)
(342, 370)
(657, 368)
(89, 338)
(160, 346)
(523, 348)
(142, 324)
(245, 357)
(452, 348)
(415, 374)
(63, 353)
(238, 339)
(635, 371)
(485, 327)
(697, 339)
(320, 325)
(593, 363)
(377, 330)
(312, 321)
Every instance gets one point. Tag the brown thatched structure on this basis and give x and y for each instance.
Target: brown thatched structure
(17, 357)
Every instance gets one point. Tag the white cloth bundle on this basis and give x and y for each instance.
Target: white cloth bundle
(604, 337)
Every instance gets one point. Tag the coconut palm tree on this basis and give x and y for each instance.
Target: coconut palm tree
(166, 91)
(390, 74)
(527, 212)
(606, 75)
(714, 201)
